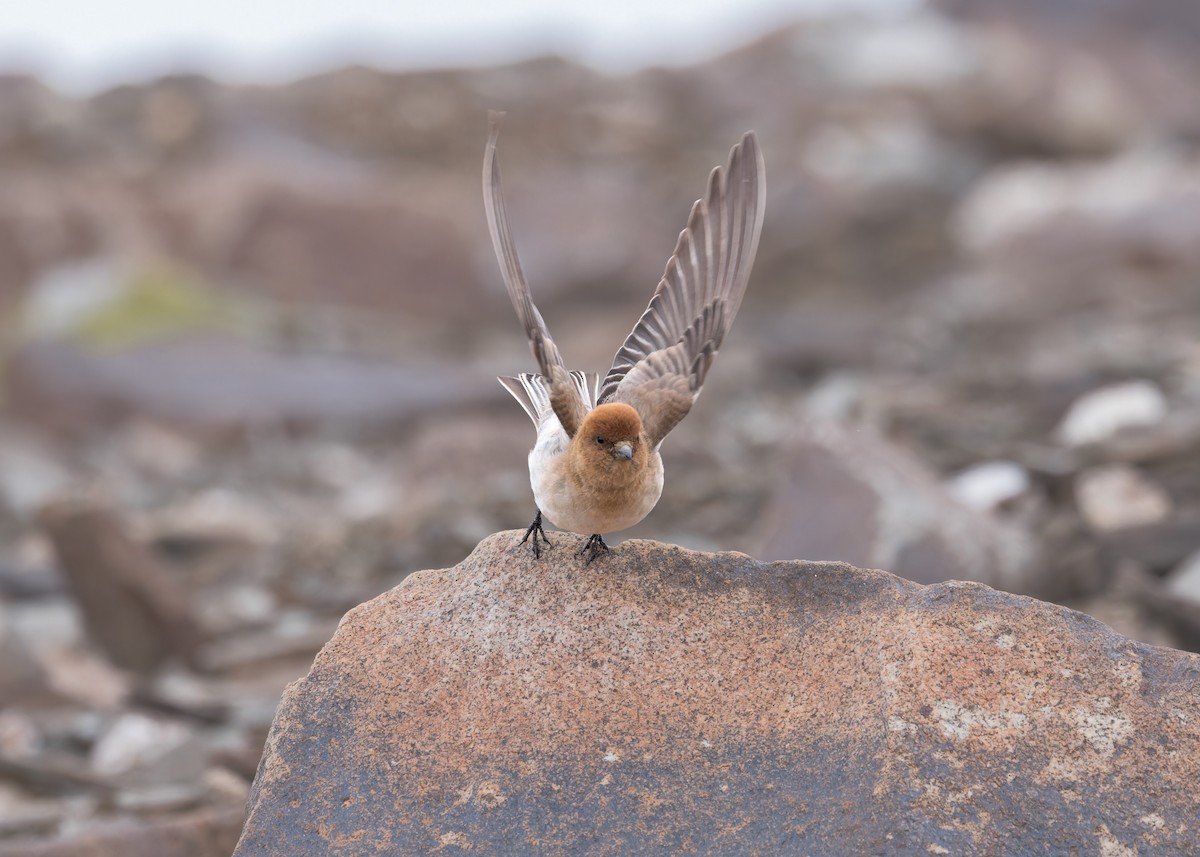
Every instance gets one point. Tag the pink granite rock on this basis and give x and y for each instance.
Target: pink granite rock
(664, 701)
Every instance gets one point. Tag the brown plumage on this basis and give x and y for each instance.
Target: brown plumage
(588, 486)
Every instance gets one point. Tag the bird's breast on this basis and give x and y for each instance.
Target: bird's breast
(576, 502)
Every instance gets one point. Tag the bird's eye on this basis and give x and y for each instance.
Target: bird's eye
(599, 440)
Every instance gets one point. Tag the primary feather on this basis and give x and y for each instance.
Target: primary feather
(661, 367)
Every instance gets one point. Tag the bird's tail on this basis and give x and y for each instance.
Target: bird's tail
(533, 394)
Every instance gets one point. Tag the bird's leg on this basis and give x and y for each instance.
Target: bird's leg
(593, 547)
(535, 530)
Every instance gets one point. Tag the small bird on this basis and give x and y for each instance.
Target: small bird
(595, 467)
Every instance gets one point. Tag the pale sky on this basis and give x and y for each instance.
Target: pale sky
(85, 45)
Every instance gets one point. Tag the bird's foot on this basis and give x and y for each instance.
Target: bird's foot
(593, 547)
(535, 530)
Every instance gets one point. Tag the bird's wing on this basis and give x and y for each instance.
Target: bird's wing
(662, 365)
(564, 394)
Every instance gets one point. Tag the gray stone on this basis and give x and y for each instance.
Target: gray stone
(140, 751)
(857, 498)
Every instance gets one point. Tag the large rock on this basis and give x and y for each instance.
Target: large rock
(663, 701)
(132, 606)
(857, 497)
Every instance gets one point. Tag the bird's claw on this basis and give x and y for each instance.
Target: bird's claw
(535, 530)
(593, 547)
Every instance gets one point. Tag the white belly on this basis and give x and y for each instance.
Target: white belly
(558, 500)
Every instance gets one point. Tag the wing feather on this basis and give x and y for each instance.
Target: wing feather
(563, 394)
(661, 367)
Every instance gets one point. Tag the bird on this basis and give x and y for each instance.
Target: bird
(596, 467)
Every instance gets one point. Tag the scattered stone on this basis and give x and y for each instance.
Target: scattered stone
(236, 607)
(1184, 581)
(252, 701)
(215, 516)
(1178, 436)
(1159, 546)
(240, 754)
(225, 786)
(1174, 618)
(80, 675)
(159, 452)
(27, 572)
(20, 673)
(29, 476)
(1026, 197)
(53, 772)
(237, 652)
(45, 624)
(23, 816)
(159, 798)
(1124, 606)
(990, 485)
(1171, 615)
(1116, 497)
(131, 606)
(672, 697)
(918, 51)
(136, 750)
(214, 383)
(208, 833)
(1102, 413)
(179, 693)
(382, 247)
(854, 497)
(65, 296)
(18, 734)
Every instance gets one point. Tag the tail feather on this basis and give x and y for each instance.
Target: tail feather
(533, 395)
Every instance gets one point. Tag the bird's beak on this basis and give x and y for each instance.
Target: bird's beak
(624, 449)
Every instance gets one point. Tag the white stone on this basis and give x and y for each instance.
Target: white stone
(834, 398)
(217, 515)
(1114, 497)
(28, 478)
(45, 624)
(990, 484)
(888, 150)
(1019, 198)
(64, 296)
(235, 606)
(1104, 412)
(1184, 581)
(923, 50)
(141, 750)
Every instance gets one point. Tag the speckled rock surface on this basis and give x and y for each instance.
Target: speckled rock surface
(663, 701)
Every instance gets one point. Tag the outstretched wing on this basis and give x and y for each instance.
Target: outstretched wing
(664, 361)
(563, 393)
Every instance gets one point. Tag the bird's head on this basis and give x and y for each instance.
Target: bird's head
(611, 439)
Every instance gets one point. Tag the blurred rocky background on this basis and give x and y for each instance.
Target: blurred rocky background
(248, 335)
